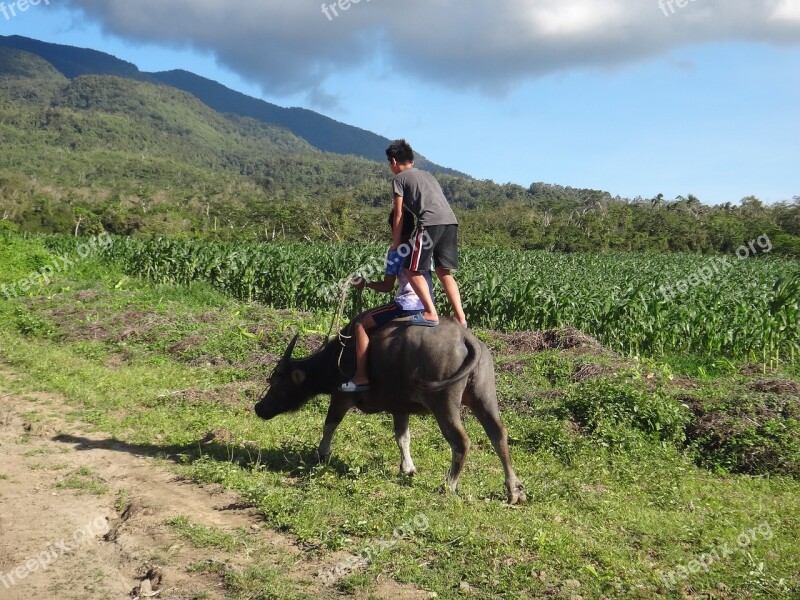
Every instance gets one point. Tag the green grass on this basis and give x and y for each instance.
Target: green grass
(201, 536)
(39, 451)
(20, 258)
(121, 502)
(83, 481)
(258, 583)
(616, 495)
(39, 466)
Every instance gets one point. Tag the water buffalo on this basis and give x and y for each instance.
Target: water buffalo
(413, 370)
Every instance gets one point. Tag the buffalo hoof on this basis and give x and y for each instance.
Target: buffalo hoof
(517, 496)
(408, 472)
(321, 458)
(446, 490)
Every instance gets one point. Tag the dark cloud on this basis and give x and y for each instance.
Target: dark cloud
(292, 46)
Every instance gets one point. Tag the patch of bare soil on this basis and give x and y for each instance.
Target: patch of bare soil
(530, 403)
(775, 386)
(553, 339)
(187, 345)
(84, 324)
(85, 517)
(696, 405)
(589, 371)
(238, 393)
(685, 383)
(752, 369)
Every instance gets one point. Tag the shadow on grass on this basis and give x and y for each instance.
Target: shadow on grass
(289, 459)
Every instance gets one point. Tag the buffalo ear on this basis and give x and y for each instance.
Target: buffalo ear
(298, 377)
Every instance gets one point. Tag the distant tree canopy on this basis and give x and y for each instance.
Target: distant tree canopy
(133, 158)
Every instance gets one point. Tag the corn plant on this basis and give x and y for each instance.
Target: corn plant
(747, 310)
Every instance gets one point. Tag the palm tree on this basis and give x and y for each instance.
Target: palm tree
(658, 201)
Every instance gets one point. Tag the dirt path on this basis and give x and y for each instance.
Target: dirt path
(84, 517)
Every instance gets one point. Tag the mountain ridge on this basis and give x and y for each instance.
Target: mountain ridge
(324, 133)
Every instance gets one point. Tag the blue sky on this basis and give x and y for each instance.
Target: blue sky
(623, 99)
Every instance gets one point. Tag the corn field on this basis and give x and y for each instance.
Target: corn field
(740, 308)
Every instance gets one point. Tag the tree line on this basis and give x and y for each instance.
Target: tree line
(109, 154)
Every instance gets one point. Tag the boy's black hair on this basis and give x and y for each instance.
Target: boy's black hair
(407, 224)
(401, 151)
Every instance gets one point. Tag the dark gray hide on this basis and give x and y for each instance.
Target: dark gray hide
(413, 370)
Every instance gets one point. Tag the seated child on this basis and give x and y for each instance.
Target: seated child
(406, 303)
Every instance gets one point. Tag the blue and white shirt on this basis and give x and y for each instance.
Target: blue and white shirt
(406, 298)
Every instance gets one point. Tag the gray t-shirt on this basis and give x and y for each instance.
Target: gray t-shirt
(423, 196)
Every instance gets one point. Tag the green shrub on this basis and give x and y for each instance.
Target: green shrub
(19, 258)
(31, 325)
(7, 227)
(608, 406)
(754, 434)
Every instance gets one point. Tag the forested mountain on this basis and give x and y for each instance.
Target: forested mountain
(151, 155)
(320, 131)
(134, 157)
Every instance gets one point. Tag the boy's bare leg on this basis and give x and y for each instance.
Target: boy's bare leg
(423, 292)
(453, 294)
(362, 345)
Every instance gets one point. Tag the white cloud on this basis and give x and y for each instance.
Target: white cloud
(573, 19)
(787, 10)
(292, 47)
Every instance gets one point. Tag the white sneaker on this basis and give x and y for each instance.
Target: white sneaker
(353, 387)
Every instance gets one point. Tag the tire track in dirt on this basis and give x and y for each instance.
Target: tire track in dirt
(57, 480)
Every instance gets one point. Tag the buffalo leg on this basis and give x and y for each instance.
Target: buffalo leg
(447, 410)
(403, 438)
(337, 410)
(489, 416)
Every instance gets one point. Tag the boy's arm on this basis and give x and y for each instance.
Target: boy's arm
(393, 264)
(397, 221)
(385, 286)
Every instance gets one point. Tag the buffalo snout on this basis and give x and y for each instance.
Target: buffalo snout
(280, 399)
(265, 409)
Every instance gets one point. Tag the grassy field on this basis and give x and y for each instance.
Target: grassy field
(674, 477)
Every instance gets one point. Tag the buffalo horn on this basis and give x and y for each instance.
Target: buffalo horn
(288, 354)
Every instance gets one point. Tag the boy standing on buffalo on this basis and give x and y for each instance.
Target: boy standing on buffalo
(436, 236)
